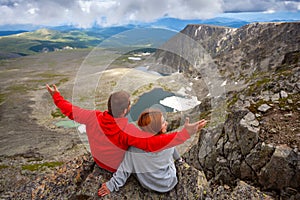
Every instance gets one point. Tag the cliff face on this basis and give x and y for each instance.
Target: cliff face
(254, 47)
(258, 140)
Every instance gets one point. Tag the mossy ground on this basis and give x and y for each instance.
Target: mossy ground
(38, 166)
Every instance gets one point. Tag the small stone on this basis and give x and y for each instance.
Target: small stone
(242, 97)
(249, 117)
(273, 130)
(290, 101)
(288, 115)
(226, 187)
(247, 104)
(255, 123)
(264, 108)
(283, 94)
(275, 97)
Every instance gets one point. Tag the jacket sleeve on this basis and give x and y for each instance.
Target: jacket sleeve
(157, 142)
(75, 113)
(122, 174)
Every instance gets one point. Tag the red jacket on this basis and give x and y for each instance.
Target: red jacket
(109, 137)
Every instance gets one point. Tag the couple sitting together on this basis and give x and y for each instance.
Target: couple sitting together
(122, 148)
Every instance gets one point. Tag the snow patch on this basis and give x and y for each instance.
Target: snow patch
(180, 103)
(134, 58)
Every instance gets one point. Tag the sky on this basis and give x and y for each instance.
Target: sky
(86, 13)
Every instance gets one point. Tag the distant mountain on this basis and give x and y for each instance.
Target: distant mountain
(178, 24)
(32, 39)
(233, 20)
(4, 33)
(167, 23)
(65, 38)
(45, 40)
(239, 51)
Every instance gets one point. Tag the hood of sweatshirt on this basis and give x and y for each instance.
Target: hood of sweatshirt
(111, 125)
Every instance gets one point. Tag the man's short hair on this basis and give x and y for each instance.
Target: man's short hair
(118, 102)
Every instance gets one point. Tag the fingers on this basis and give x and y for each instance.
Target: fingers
(103, 190)
(49, 89)
(55, 88)
(202, 124)
(52, 90)
(199, 124)
(187, 121)
(203, 121)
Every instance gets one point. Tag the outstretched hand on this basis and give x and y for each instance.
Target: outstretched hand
(103, 190)
(52, 90)
(194, 127)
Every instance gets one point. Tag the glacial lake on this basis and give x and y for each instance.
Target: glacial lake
(147, 100)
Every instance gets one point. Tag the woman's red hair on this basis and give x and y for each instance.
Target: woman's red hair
(150, 121)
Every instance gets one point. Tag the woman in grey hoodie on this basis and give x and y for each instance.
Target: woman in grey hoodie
(155, 171)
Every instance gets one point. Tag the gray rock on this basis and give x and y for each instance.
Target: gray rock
(288, 115)
(283, 167)
(256, 159)
(245, 191)
(283, 94)
(290, 101)
(275, 97)
(264, 108)
(249, 120)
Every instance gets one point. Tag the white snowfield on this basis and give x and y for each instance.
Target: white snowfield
(180, 103)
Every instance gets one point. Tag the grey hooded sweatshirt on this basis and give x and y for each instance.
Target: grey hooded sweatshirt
(155, 171)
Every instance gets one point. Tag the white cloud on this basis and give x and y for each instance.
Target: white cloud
(260, 5)
(85, 13)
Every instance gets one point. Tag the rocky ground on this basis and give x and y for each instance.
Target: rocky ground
(39, 160)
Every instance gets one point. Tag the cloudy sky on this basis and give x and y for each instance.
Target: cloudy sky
(84, 13)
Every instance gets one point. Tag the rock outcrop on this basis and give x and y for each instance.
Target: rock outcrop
(259, 141)
(80, 178)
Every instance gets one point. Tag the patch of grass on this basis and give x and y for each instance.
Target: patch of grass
(3, 166)
(2, 98)
(257, 86)
(283, 102)
(62, 81)
(254, 107)
(205, 115)
(232, 101)
(18, 88)
(57, 113)
(35, 167)
(113, 83)
(143, 89)
(165, 88)
(49, 75)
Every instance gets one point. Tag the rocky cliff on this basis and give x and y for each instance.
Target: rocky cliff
(254, 47)
(259, 139)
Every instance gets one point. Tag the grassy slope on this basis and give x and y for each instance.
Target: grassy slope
(34, 42)
(45, 40)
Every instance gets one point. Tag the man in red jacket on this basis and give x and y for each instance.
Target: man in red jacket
(110, 134)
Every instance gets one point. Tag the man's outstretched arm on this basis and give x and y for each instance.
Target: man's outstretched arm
(75, 113)
(164, 141)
